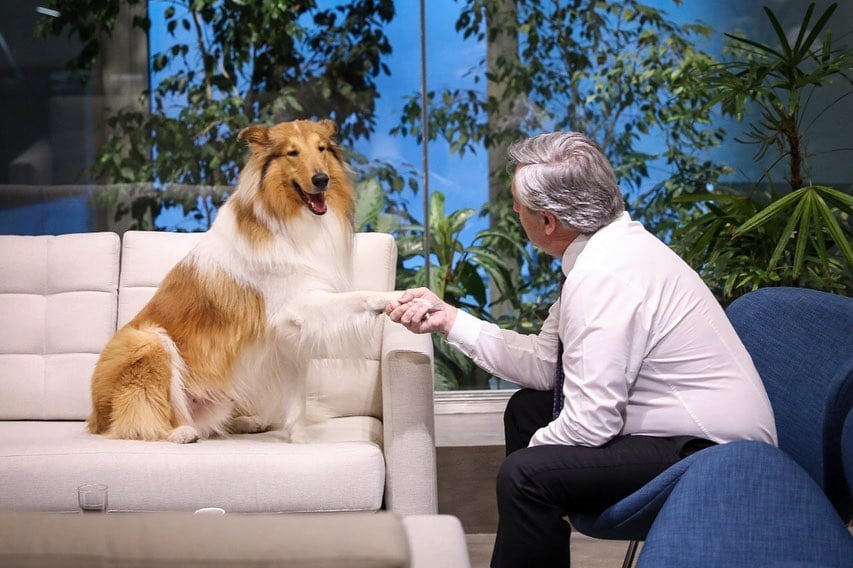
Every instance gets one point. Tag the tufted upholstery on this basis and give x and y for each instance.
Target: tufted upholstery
(61, 299)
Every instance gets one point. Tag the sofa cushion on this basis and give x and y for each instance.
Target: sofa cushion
(57, 310)
(146, 258)
(341, 469)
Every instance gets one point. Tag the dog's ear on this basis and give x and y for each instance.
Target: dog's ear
(255, 135)
(328, 127)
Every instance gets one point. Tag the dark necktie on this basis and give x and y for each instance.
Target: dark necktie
(559, 377)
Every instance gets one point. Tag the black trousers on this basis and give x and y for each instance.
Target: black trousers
(537, 487)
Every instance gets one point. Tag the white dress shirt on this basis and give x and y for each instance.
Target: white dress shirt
(647, 349)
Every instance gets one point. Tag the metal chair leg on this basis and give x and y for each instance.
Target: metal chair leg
(630, 553)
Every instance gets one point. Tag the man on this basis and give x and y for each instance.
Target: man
(651, 369)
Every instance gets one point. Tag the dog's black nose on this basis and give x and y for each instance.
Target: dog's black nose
(320, 180)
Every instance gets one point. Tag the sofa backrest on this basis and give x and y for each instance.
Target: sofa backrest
(57, 310)
(62, 297)
(801, 343)
(146, 258)
(344, 387)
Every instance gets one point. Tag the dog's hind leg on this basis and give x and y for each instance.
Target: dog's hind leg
(247, 424)
(136, 368)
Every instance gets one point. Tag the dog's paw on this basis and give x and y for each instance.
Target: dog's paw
(247, 425)
(376, 303)
(183, 435)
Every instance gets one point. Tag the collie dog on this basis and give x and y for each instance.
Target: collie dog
(223, 344)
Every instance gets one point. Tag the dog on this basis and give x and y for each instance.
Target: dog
(222, 346)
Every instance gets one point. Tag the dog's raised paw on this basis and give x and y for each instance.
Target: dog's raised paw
(378, 303)
(183, 435)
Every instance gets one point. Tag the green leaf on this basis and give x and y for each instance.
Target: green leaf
(772, 210)
(472, 283)
(835, 231)
(818, 27)
(803, 234)
(780, 33)
(786, 235)
(369, 203)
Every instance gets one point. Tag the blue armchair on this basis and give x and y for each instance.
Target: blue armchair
(747, 504)
(802, 344)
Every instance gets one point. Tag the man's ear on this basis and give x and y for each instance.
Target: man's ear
(550, 223)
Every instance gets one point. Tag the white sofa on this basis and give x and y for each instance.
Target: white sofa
(61, 299)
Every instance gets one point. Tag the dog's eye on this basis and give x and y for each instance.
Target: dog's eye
(293, 153)
(322, 148)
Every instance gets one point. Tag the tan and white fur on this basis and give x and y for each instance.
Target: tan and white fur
(223, 344)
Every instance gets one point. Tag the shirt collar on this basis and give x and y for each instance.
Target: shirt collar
(573, 251)
(575, 248)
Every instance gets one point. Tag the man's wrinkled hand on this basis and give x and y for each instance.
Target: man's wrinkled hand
(421, 311)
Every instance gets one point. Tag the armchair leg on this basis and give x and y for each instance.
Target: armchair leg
(630, 553)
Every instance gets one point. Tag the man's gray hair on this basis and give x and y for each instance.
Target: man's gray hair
(567, 174)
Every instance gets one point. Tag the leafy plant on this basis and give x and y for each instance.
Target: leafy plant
(458, 274)
(614, 70)
(230, 64)
(620, 72)
(800, 237)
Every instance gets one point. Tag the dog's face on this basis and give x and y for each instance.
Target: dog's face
(300, 168)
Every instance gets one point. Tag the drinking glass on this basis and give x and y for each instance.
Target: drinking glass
(93, 498)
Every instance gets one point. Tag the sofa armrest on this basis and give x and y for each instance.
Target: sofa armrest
(408, 421)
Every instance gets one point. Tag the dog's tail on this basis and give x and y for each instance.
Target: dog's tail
(131, 387)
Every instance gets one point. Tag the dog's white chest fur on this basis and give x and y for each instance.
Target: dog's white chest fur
(311, 254)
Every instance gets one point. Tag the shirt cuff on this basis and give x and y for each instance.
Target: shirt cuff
(464, 333)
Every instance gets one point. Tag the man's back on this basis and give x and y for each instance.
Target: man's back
(687, 371)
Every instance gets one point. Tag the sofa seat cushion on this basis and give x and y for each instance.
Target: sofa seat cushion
(341, 468)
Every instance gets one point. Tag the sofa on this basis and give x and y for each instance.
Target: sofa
(360, 492)
(62, 298)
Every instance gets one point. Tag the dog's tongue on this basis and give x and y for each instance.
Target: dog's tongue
(317, 202)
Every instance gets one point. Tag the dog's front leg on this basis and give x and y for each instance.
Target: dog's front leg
(319, 323)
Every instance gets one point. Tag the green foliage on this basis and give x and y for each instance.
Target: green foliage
(617, 71)
(231, 64)
(459, 274)
(779, 81)
(800, 237)
(743, 242)
(620, 72)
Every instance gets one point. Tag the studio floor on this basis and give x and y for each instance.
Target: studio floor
(586, 552)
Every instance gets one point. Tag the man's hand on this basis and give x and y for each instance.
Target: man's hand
(421, 311)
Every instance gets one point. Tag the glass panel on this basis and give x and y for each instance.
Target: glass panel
(551, 65)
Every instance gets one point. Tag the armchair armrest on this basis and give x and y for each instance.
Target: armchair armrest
(408, 419)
